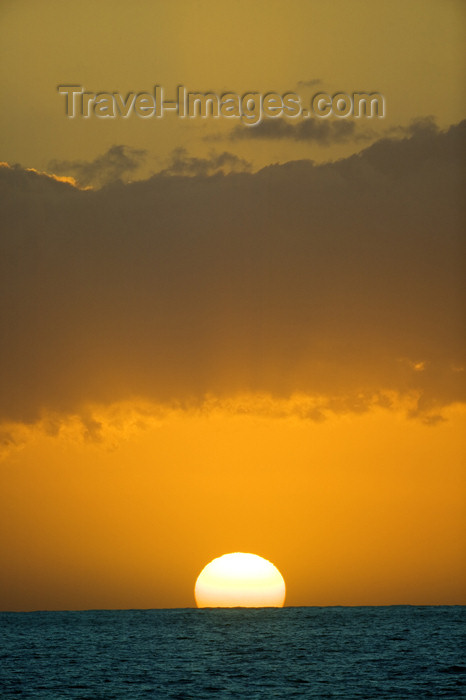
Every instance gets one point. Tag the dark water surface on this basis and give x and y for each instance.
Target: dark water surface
(386, 652)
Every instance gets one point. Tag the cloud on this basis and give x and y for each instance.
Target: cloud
(309, 83)
(331, 280)
(326, 132)
(420, 126)
(117, 163)
(183, 164)
(322, 131)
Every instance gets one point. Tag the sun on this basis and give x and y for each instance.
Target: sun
(240, 580)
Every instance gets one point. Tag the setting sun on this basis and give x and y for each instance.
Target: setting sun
(240, 580)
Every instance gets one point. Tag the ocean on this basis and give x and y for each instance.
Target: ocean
(336, 652)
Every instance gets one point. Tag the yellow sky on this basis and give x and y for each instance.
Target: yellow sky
(411, 52)
(269, 362)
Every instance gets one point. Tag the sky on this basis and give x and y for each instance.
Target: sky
(219, 337)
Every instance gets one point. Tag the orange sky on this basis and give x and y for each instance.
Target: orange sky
(354, 510)
(255, 343)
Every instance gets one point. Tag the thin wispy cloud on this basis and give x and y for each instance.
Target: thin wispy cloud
(118, 163)
(312, 82)
(181, 163)
(320, 131)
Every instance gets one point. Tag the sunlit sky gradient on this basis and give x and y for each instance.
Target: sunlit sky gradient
(213, 343)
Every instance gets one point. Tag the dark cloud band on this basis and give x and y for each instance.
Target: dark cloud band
(336, 279)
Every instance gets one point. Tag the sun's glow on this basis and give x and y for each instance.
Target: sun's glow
(240, 580)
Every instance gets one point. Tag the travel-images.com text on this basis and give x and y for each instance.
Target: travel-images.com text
(250, 108)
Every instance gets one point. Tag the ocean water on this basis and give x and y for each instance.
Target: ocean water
(367, 652)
